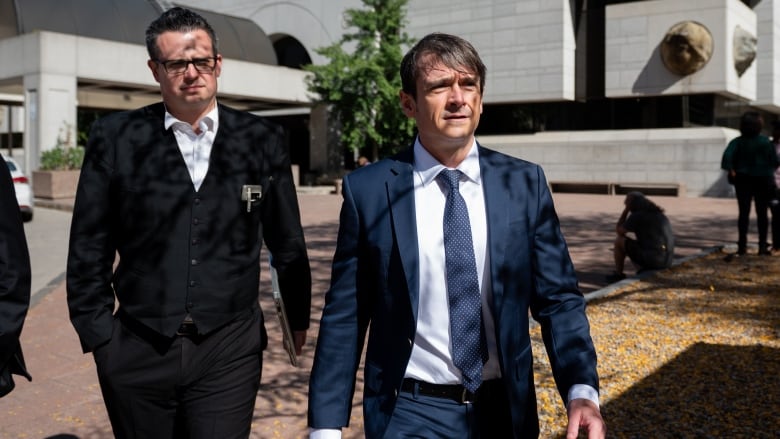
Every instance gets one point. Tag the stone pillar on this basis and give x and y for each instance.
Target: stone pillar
(50, 103)
(326, 157)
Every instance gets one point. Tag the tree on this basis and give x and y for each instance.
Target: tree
(361, 87)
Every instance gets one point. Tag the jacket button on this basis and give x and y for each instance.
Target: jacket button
(196, 221)
(196, 201)
(195, 241)
(192, 283)
(194, 262)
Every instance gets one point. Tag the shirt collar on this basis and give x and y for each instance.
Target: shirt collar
(209, 122)
(427, 167)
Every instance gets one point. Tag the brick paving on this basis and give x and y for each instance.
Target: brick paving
(64, 402)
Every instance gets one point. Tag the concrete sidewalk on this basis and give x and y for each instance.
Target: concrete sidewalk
(64, 401)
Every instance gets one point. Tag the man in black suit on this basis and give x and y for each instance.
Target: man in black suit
(442, 252)
(184, 192)
(14, 283)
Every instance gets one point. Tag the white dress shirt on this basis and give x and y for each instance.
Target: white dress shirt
(195, 147)
(431, 359)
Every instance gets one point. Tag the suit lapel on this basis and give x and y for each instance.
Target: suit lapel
(497, 210)
(400, 195)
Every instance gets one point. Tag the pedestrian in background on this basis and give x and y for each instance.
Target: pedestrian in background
(774, 204)
(184, 192)
(653, 244)
(751, 160)
(442, 252)
(14, 284)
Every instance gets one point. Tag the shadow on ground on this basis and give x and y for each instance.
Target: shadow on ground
(728, 391)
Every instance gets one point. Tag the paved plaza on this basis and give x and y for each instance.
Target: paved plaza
(63, 400)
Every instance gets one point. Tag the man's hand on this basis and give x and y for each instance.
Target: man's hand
(585, 414)
(299, 340)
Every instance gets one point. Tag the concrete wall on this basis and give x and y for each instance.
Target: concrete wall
(528, 46)
(634, 32)
(314, 23)
(687, 156)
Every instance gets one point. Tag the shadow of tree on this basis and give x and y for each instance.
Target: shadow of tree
(709, 390)
(282, 400)
(690, 352)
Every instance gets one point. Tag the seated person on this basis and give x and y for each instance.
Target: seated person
(653, 247)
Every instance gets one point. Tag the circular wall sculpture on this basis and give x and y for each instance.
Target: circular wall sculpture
(686, 47)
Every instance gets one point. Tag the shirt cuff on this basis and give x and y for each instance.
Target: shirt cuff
(324, 433)
(584, 391)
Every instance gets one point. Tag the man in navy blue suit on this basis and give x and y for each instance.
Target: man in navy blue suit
(390, 273)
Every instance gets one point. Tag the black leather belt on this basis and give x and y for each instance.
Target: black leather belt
(455, 392)
(187, 329)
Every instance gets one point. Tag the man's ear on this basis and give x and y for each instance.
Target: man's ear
(218, 66)
(153, 67)
(408, 105)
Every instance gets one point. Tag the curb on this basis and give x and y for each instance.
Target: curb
(611, 288)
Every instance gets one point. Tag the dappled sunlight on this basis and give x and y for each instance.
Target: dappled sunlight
(690, 352)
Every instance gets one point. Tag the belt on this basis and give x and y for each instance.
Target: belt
(455, 392)
(187, 329)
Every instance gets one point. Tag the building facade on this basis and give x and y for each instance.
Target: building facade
(593, 90)
(607, 95)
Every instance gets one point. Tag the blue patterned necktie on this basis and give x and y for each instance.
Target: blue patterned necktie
(468, 341)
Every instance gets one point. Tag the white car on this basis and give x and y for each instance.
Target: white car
(24, 193)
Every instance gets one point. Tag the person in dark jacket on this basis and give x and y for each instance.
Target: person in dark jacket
(653, 247)
(14, 284)
(750, 161)
(185, 192)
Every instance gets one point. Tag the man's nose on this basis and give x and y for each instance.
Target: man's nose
(456, 95)
(190, 71)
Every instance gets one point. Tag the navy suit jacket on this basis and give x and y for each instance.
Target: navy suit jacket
(375, 281)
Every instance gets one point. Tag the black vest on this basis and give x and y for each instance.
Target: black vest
(180, 251)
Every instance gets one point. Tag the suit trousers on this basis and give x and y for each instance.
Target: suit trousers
(427, 417)
(198, 387)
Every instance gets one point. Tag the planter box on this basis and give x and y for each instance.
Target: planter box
(53, 185)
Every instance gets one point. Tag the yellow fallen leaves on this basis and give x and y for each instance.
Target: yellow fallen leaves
(690, 352)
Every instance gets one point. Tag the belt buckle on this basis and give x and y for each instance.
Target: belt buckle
(187, 330)
(465, 397)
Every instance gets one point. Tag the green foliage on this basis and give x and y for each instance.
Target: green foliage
(361, 87)
(64, 156)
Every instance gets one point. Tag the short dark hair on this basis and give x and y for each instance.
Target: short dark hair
(751, 123)
(452, 51)
(177, 20)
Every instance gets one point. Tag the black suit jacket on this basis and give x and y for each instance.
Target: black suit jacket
(14, 283)
(181, 251)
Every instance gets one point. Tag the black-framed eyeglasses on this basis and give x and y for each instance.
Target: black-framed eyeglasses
(179, 66)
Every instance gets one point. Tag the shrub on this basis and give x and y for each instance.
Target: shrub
(64, 156)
